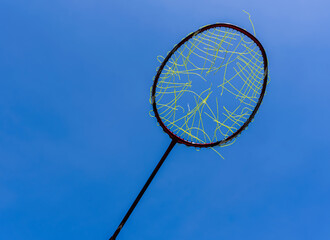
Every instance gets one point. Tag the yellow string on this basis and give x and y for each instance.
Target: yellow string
(187, 102)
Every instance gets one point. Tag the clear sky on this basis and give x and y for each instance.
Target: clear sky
(77, 143)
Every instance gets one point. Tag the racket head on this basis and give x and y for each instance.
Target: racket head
(252, 113)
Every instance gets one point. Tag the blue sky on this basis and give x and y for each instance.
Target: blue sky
(77, 143)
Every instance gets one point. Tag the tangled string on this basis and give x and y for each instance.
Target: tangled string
(210, 85)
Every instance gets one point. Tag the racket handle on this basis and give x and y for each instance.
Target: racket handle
(146, 185)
